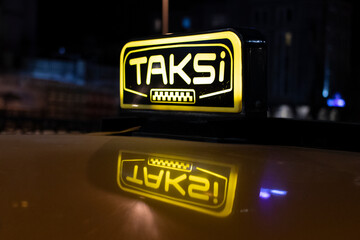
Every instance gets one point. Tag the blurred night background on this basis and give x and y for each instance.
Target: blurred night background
(59, 60)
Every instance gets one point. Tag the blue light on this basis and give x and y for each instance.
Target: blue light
(278, 192)
(337, 101)
(186, 23)
(255, 41)
(327, 75)
(62, 50)
(325, 93)
(266, 193)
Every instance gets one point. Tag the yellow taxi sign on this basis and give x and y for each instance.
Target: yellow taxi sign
(201, 186)
(200, 72)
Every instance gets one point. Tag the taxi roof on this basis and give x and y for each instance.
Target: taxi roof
(63, 186)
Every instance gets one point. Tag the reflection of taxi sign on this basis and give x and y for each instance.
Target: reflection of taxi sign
(200, 72)
(198, 185)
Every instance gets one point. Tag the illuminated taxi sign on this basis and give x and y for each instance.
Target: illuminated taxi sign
(201, 186)
(201, 72)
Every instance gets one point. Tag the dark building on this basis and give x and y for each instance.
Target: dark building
(309, 49)
(60, 90)
(309, 43)
(17, 32)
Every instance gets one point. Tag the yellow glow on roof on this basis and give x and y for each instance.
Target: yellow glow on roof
(202, 186)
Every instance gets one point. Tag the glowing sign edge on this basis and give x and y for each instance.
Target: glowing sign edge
(237, 70)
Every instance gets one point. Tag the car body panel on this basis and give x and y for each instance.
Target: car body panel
(65, 187)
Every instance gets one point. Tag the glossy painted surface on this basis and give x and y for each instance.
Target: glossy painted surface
(64, 187)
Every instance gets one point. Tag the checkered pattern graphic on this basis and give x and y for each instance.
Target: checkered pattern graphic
(181, 96)
(172, 164)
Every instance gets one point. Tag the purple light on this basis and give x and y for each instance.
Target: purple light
(264, 194)
(337, 101)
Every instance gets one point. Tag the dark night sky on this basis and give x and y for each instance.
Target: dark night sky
(82, 27)
(91, 27)
(99, 28)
